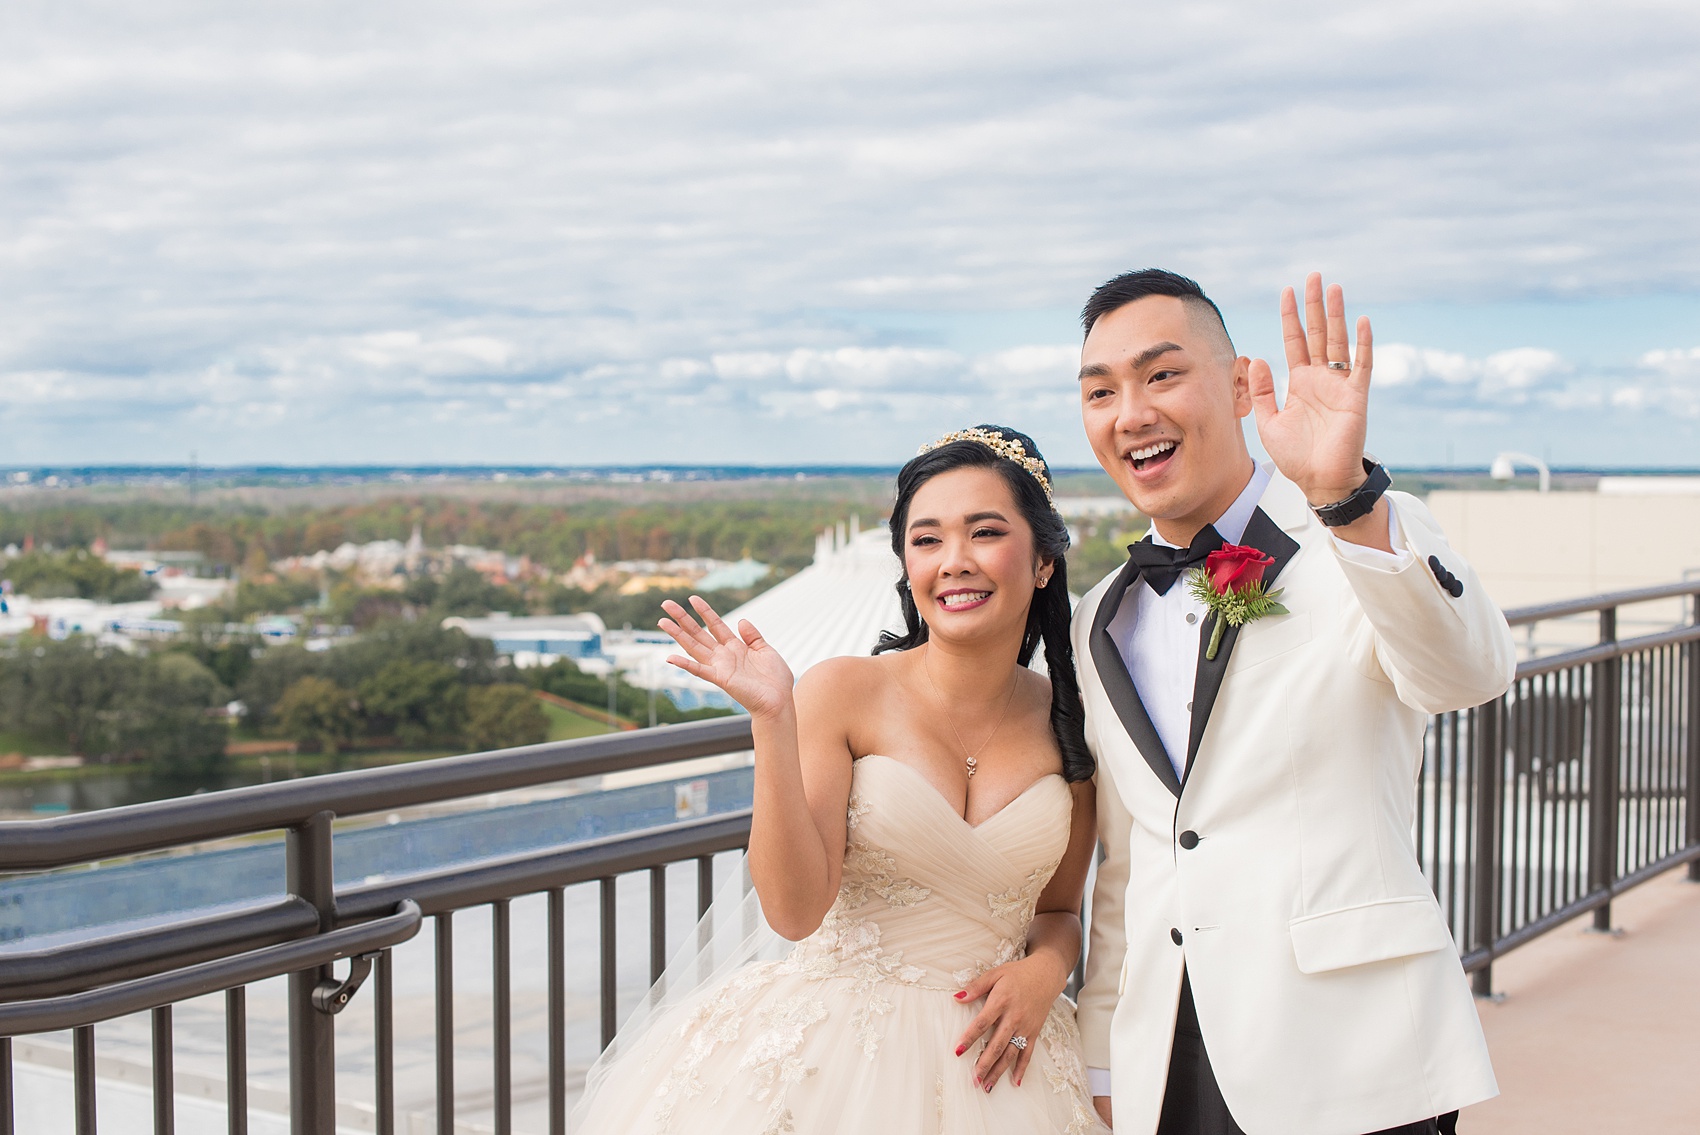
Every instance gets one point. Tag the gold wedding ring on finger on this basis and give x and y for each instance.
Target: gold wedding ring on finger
(1339, 366)
(1019, 1043)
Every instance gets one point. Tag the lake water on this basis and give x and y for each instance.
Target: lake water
(111, 789)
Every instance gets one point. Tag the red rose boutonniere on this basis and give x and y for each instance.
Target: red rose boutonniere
(1231, 584)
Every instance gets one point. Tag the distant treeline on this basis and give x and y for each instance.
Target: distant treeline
(400, 685)
(776, 531)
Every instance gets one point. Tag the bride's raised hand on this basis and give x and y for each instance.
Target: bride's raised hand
(742, 663)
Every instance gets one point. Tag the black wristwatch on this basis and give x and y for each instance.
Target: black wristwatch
(1360, 503)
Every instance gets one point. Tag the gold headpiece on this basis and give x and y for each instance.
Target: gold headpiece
(1006, 447)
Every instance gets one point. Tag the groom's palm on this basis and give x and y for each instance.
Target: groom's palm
(1317, 438)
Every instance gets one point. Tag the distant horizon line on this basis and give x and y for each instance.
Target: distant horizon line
(723, 471)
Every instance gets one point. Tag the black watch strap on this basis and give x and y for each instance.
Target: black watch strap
(1360, 503)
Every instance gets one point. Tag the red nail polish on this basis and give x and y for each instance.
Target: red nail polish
(961, 995)
(961, 1048)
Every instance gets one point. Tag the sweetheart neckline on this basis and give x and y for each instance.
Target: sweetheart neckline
(946, 805)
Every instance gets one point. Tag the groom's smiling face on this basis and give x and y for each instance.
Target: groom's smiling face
(1162, 396)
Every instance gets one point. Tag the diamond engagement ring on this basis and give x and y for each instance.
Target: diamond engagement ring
(1339, 366)
(1019, 1042)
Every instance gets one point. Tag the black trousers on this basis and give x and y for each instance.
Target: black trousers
(1192, 1102)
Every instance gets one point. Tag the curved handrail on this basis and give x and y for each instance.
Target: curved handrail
(72, 967)
(27, 845)
(71, 1010)
(1520, 616)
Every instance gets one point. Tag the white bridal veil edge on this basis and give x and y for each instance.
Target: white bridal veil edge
(733, 934)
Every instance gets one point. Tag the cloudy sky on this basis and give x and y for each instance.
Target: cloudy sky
(763, 232)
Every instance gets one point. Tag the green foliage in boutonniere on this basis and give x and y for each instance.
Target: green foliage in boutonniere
(1230, 584)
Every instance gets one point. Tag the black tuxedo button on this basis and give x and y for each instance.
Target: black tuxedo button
(1189, 840)
(1449, 583)
(1175, 935)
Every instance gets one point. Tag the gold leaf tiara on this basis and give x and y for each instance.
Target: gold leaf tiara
(1008, 448)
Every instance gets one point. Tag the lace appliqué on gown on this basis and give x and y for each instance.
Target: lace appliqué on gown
(870, 872)
(1067, 1072)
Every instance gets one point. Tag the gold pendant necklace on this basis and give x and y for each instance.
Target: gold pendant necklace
(971, 761)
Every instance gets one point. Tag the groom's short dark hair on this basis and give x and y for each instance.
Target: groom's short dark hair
(1131, 286)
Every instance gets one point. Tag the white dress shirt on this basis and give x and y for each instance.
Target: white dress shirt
(1158, 637)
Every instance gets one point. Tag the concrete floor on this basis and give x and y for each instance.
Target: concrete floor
(1600, 1033)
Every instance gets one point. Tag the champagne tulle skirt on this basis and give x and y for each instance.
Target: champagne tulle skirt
(772, 1052)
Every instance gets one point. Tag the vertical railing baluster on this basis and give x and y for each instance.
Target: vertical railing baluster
(6, 1092)
(312, 1034)
(1607, 711)
(1489, 760)
(445, 986)
(1691, 731)
(1671, 745)
(164, 1077)
(82, 1066)
(1580, 791)
(499, 948)
(383, 1041)
(657, 922)
(609, 1008)
(236, 1060)
(557, 1012)
(1462, 797)
(705, 885)
(705, 899)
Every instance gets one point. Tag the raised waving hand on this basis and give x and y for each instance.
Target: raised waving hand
(1317, 439)
(742, 663)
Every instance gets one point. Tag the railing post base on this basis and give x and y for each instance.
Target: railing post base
(1602, 918)
(1481, 984)
(1694, 870)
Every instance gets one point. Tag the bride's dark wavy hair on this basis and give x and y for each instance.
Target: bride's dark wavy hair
(1047, 618)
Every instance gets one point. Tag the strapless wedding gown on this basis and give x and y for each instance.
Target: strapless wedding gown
(854, 1032)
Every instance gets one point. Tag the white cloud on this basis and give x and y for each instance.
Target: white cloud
(1491, 387)
(374, 227)
(1511, 376)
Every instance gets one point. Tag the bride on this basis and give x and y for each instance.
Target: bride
(922, 830)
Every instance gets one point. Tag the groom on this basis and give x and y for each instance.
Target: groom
(1266, 955)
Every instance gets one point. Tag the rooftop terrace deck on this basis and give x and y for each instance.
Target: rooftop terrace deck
(1601, 1032)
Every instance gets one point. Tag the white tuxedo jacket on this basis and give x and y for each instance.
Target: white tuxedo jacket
(1280, 871)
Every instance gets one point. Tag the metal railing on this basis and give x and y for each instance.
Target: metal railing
(1582, 781)
(316, 924)
(1578, 784)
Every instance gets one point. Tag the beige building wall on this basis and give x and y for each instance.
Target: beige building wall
(1531, 547)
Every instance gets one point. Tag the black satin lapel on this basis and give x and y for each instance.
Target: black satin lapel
(1266, 536)
(1118, 684)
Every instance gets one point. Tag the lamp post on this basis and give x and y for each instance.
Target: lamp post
(1503, 468)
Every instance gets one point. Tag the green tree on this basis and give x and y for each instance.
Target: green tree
(161, 708)
(63, 691)
(502, 716)
(422, 703)
(274, 671)
(168, 716)
(317, 714)
(75, 574)
(465, 592)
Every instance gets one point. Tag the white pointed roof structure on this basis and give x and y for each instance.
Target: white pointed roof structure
(837, 605)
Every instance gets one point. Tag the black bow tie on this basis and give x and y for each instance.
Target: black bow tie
(1160, 565)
